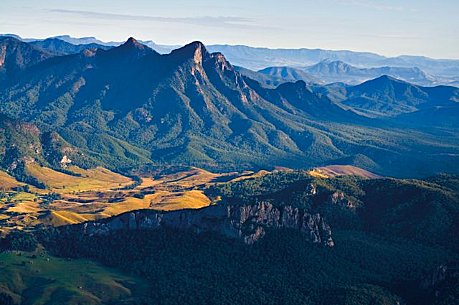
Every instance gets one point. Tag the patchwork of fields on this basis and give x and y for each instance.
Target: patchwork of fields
(77, 195)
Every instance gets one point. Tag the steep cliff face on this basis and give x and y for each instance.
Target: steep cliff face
(246, 222)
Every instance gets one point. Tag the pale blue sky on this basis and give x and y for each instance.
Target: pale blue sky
(388, 27)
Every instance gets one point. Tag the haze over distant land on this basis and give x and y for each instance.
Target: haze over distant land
(386, 27)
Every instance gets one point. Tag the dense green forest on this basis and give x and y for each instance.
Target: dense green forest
(283, 268)
(390, 237)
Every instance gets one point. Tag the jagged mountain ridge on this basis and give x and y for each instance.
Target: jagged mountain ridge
(197, 72)
(193, 108)
(439, 71)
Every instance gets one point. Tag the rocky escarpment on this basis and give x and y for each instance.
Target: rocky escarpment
(245, 222)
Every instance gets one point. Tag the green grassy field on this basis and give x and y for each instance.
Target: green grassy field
(38, 279)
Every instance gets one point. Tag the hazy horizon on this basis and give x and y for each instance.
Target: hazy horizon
(388, 28)
(121, 41)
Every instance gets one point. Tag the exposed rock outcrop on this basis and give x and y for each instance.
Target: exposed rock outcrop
(339, 198)
(246, 222)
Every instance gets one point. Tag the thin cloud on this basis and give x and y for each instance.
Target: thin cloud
(390, 36)
(374, 5)
(220, 21)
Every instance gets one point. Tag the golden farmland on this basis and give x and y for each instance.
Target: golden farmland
(79, 195)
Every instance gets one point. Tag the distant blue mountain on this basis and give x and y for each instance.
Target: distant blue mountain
(162, 49)
(338, 71)
(260, 58)
(386, 96)
(327, 72)
(59, 47)
(272, 77)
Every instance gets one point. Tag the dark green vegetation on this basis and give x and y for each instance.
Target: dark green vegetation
(283, 268)
(130, 106)
(390, 236)
(19, 241)
(425, 211)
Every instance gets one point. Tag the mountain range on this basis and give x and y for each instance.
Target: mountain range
(327, 72)
(130, 105)
(326, 65)
(260, 58)
(338, 71)
(387, 96)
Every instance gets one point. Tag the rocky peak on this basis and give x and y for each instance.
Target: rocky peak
(195, 50)
(382, 82)
(131, 49)
(132, 42)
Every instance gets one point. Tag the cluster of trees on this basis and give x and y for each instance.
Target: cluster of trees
(19, 241)
(50, 197)
(6, 299)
